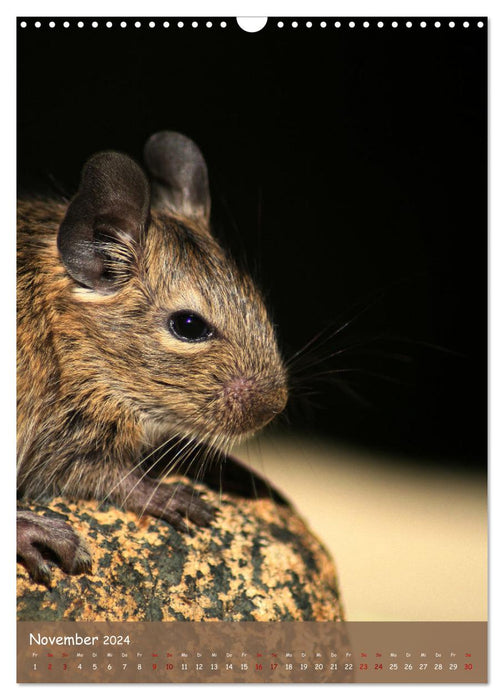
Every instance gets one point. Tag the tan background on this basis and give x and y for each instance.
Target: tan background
(409, 543)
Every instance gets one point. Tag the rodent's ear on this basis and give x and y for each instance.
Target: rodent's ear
(112, 205)
(179, 174)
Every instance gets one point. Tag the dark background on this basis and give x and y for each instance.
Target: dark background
(348, 170)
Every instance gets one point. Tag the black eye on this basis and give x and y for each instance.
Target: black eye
(189, 327)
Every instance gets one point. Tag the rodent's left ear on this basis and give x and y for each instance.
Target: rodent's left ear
(179, 173)
(112, 205)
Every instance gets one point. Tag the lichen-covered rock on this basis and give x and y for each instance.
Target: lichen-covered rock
(257, 562)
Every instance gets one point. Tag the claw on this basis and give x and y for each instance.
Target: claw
(174, 503)
(40, 538)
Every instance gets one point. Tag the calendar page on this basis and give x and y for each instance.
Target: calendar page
(252, 355)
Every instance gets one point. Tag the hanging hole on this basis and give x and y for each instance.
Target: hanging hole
(252, 24)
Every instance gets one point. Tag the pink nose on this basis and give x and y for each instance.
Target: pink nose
(255, 405)
(239, 389)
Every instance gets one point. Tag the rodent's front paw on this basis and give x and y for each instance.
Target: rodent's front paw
(178, 503)
(40, 539)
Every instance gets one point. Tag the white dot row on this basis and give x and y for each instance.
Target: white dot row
(209, 24)
(380, 24)
(123, 24)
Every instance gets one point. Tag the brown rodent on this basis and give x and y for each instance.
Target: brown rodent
(135, 331)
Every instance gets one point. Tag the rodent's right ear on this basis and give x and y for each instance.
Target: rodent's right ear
(112, 204)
